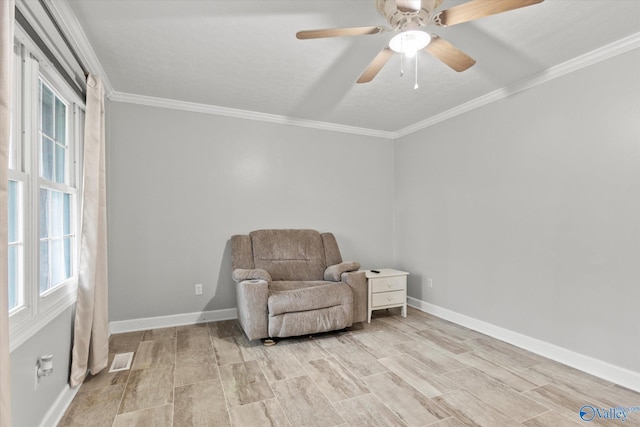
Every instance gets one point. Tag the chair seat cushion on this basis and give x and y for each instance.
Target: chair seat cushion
(293, 296)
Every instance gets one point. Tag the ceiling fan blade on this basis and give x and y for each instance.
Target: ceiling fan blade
(449, 54)
(376, 65)
(337, 32)
(477, 9)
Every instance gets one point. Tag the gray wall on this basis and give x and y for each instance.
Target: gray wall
(181, 183)
(526, 212)
(29, 406)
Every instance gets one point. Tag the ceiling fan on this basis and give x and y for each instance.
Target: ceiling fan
(407, 16)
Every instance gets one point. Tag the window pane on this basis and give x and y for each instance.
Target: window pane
(46, 159)
(67, 214)
(67, 256)
(61, 121)
(58, 262)
(14, 277)
(14, 211)
(44, 266)
(46, 110)
(57, 214)
(60, 163)
(56, 250)
(44, 213)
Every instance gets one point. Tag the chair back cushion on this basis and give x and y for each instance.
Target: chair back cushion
(289, 254)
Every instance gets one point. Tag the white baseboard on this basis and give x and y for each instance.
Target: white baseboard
(593, 366)
(132, 325)
(59, 407)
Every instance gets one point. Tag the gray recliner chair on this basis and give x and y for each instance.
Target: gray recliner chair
(294, 282)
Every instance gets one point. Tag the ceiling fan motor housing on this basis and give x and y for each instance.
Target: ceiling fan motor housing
(406, 18)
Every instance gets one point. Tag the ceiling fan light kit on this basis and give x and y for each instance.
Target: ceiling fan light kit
(407, 16)
(409, 42)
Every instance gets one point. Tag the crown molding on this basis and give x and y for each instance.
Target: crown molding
(590, 58)
(244, 114)
(71, 26)
(69, 23)
(61, 10)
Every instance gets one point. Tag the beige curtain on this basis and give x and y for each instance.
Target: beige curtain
(91, 332)
(7, 10)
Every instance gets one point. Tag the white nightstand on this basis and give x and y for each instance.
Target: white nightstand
(387, 289)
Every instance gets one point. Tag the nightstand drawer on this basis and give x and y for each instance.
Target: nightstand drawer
(386, 298)
(385, 284)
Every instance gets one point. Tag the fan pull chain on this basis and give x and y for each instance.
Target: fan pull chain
(416, 74)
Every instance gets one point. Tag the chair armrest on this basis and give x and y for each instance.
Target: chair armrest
(334, 272)
(252, 297)
(240, 274)
(357, 280)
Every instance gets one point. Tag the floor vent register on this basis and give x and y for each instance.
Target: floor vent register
(121, 362)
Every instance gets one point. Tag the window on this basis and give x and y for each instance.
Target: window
(57, 235)
(43, 202)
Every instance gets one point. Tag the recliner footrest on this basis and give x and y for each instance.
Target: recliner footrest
(309, 298)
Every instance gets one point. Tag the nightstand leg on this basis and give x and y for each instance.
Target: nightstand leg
(369, 317)
(404, 310)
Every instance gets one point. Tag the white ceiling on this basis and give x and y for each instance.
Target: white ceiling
(243, 54)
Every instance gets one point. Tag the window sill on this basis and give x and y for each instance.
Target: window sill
(28, 328)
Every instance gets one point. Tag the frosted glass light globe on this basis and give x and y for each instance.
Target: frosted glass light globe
(409, 42)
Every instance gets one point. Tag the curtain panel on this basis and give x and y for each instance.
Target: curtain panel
(91, 330)
(7, 12)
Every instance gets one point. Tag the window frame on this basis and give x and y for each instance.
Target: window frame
(40, 309)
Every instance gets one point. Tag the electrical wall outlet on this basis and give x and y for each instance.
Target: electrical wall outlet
(43, 368)
(199, 289)
(430, 282)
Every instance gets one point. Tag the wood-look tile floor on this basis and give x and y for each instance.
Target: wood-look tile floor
(414, 371)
